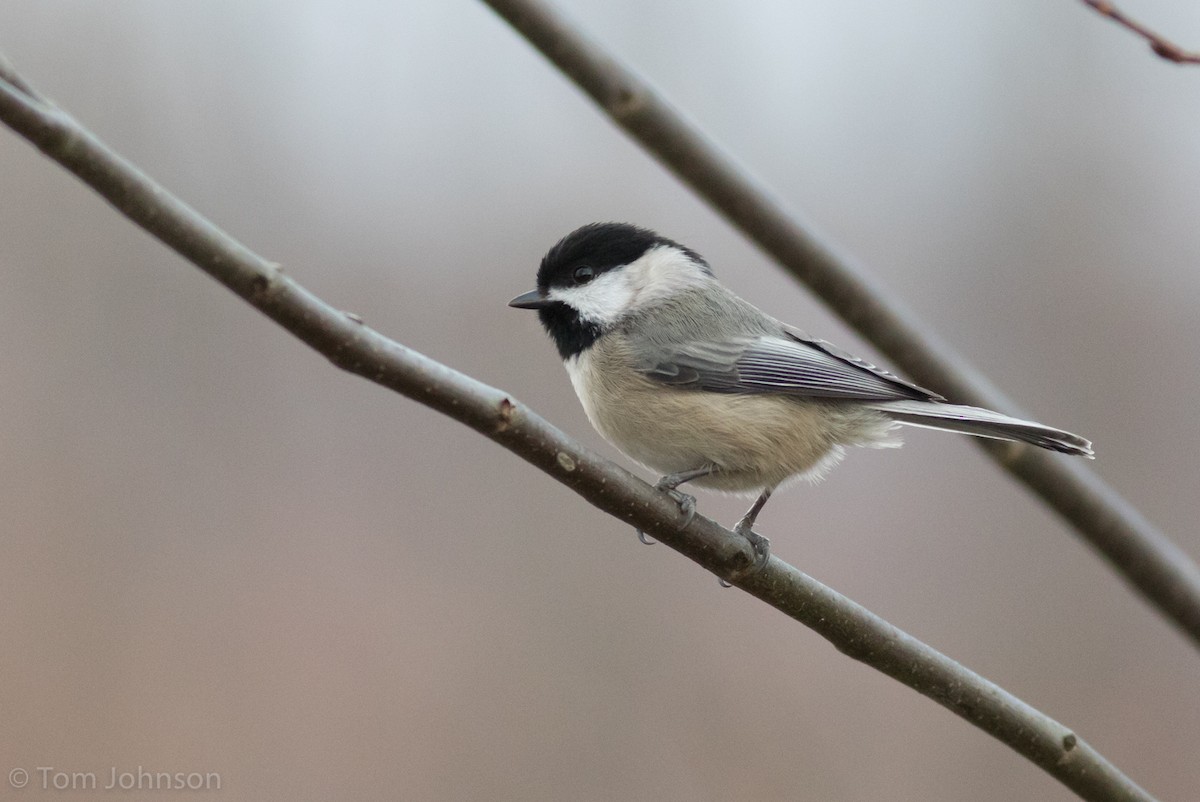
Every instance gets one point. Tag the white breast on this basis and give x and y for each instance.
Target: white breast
(580, 369)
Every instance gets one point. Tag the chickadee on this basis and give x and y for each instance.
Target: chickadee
(691, 381)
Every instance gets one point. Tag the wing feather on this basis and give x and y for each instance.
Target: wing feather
(793, 364)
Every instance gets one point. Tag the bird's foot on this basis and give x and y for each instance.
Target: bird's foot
(762, 552)
(687, 505)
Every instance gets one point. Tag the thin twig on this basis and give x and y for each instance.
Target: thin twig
(1160, 45)
(354, 347)
(1145, 557)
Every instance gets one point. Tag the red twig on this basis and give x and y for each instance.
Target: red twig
(1167, 49)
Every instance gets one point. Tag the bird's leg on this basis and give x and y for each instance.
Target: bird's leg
(670, 482)
(687, 504)
(761, 546)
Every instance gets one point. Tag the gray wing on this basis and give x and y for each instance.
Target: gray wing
(792, 364)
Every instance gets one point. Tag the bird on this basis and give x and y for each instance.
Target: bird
(696, 384)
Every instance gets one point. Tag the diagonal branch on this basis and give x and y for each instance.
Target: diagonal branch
(1145, 557)
(358, 349)
(1160, 45)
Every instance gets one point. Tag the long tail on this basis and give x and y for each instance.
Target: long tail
(984, 423)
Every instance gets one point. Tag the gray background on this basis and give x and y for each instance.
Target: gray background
(220, 554)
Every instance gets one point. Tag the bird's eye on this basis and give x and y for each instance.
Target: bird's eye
(583, 274)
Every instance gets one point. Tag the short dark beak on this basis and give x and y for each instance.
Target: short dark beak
(530, 300)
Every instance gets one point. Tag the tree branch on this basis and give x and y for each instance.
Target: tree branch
(1150, 562)
(358, 349)
(1160, 45)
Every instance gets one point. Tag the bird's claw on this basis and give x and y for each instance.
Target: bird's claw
(687, 505)
(762, 553)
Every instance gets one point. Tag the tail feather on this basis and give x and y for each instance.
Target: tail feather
(984, 423)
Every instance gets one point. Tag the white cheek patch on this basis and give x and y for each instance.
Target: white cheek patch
(663, 272)
(657, 275)
(601, 301)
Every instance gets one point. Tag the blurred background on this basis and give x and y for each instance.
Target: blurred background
(219, 554)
